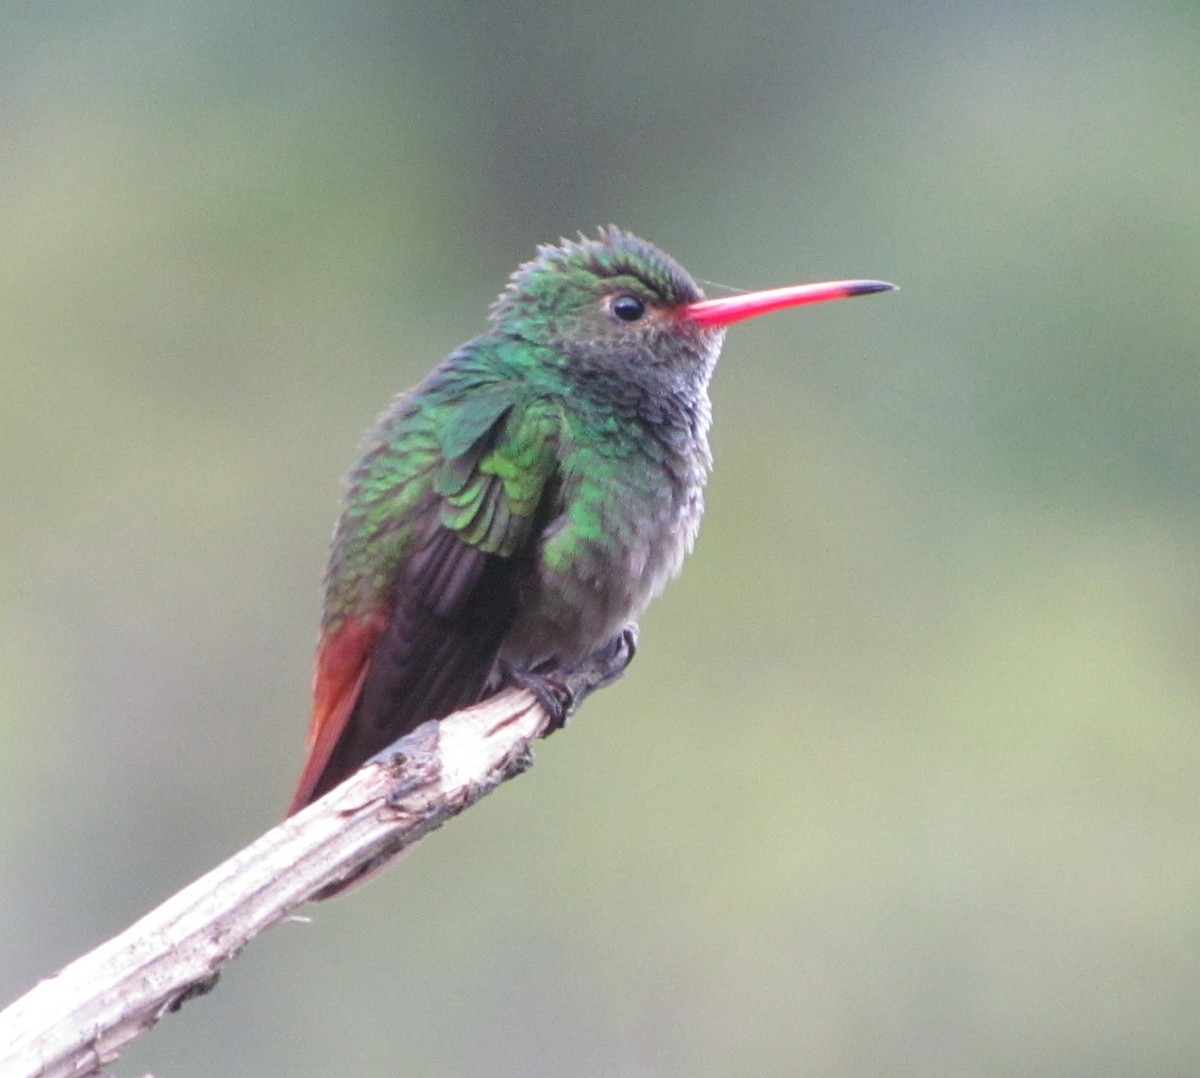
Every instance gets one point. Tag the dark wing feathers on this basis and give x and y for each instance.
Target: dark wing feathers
(456, 591)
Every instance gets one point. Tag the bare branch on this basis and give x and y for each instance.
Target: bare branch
(80, 1019)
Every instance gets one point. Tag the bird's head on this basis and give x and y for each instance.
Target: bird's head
(614, 295)
(619, 302)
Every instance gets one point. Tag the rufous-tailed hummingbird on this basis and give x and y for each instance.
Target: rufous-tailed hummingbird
(516, 509)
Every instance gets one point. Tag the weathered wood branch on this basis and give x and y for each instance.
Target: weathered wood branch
(80, 1019)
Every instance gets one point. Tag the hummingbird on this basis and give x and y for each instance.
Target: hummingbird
(522, 505)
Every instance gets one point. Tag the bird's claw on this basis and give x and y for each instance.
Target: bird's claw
(553, 694)
(604, 665)
(561, 691)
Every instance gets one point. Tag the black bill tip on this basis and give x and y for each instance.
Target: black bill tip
(865, 288)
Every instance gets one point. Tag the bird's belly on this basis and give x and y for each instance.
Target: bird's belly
(573, 604)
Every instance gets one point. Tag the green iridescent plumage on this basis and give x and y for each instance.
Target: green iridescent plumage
(526, 500)
(522, 405)
(521, 504)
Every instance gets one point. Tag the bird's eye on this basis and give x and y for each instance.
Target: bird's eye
(627, 308)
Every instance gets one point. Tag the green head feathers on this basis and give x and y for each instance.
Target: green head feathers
(578, 293)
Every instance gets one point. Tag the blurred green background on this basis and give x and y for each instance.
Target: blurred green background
(905, 779)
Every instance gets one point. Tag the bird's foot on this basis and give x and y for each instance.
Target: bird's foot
(549, 689)
(560, 691)
(604, 665)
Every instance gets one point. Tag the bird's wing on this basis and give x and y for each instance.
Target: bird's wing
(455, 596)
